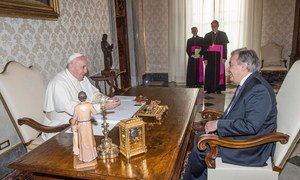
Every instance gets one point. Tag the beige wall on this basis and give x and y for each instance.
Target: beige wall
(278, 24)
(47, 44)
(156, 32)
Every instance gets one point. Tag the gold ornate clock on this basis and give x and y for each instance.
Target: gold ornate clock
(132, 137)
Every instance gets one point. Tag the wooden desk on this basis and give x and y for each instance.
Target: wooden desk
(166, 144)
(111, 79)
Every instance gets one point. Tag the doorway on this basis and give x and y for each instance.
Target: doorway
(122, 38)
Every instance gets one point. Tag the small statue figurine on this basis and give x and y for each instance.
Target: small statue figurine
(107, 52)
(84, 144)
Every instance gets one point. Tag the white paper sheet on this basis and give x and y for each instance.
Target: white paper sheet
(126, 110)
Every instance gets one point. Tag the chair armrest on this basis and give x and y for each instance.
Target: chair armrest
(207, 115)
(214, 141)
(198, 127)
(40, 127)
(211, 114)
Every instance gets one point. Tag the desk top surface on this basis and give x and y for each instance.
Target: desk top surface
(166, 144)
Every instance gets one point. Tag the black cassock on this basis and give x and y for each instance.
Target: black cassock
(214, 71)
(193, 78)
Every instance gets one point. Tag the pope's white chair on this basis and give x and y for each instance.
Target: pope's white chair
(22, 92)
(288, 122)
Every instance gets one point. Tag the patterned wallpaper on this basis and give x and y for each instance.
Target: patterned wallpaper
(47, 44)
(156, 32)
(278, 24)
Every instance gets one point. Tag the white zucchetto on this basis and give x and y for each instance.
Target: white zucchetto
(74, 56)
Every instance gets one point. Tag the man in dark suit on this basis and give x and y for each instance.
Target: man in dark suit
(214, 58)
(252, 112)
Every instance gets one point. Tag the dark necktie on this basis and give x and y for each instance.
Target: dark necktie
(233, 99)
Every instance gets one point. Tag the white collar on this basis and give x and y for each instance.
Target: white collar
(245, 78)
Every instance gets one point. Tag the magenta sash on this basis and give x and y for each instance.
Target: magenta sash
(219, 48)
(195, 47)
(200, 77)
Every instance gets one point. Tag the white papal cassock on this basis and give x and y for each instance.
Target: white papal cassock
(62, 96)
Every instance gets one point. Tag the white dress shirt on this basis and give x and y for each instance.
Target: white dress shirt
(241, 84)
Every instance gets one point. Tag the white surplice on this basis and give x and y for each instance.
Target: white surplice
(62, 96)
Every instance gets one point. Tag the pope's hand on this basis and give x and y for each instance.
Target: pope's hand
(112, 103)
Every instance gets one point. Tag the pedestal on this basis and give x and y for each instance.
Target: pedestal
(106, 149)
(79, 165)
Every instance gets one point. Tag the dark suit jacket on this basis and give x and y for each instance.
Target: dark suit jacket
(254, 113)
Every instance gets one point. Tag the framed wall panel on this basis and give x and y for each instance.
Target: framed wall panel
(35, 9)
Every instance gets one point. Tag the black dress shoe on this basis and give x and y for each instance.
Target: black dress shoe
(218, 92)
(207, 92)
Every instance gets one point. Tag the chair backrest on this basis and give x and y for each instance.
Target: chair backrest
(271, 54)
(22, 90)
(288, 119)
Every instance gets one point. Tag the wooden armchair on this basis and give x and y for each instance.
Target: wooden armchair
(287, 135)
(207, 115)
(22, 93)
(273, 65)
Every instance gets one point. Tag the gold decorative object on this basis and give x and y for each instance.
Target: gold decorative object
(106, 149)
(153, 110)
(132, 137)
(140, 100)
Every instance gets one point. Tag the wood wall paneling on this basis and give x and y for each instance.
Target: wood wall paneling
(121, 21)
(295, 55)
